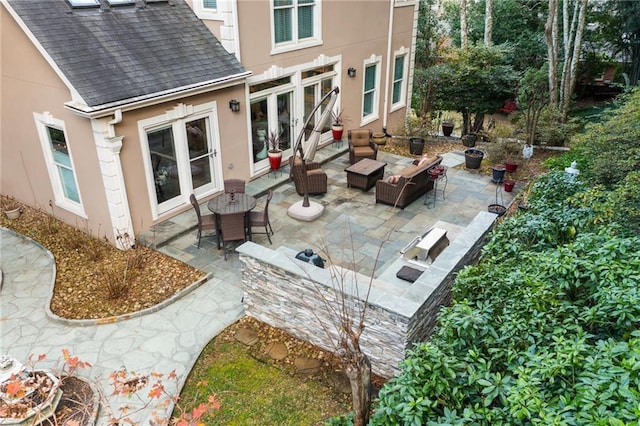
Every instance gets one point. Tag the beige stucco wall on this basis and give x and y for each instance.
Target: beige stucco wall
(354, 29)
(29, 85)
(233, 149)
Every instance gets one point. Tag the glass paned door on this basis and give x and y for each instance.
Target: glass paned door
(285, 122)
(164, 163)
(271, 113)
(200, 155)
(259, 128)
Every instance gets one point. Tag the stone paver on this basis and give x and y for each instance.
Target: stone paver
(171, 338)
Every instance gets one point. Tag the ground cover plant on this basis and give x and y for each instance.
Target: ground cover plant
(544, 330)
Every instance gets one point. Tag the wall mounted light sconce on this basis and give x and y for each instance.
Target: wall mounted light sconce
(234, 105)
(351, 72)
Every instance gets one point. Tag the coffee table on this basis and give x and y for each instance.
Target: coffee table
(365, 173)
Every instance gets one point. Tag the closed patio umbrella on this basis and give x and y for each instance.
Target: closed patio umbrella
(307, 149)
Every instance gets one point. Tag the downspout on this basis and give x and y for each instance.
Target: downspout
(117, 119)
(387, 71)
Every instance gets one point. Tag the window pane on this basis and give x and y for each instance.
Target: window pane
(305, 22)
(399, 68)
(62, 162)
(282, 25)
(278, 3)
(259, 128)
(397, 86)
(68, 184)
(210, 4)
(370, 78)
(285, 126)
(367, 104)
(164, 163)
(59, 146)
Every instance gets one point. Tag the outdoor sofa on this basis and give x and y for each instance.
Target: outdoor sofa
(410, 184)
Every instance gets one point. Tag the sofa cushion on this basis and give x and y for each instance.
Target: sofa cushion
(393, 179)
(360, 137)
(361, 151)
(409, 170)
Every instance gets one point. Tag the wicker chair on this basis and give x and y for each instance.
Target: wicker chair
(316, 178)
(206, 222)
(261, 218)
(235, 185)
(232, 228)
(361, 145)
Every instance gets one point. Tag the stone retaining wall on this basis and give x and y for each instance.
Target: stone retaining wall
(299, 297)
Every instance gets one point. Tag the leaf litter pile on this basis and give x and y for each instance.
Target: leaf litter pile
(96, 280)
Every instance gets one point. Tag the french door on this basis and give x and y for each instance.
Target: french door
(183, 160)
(271, 112)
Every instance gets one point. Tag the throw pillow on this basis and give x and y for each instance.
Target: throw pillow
(393, 179)
(424, 160)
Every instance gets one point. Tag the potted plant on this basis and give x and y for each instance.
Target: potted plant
(12, 208)
(509, 184)
(447, 126)
(498, 171)
(337, 124)
(273, 150)
(473, 158)
(469, 140)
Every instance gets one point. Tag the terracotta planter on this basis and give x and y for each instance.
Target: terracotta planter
(379, 138)
(275, 159)
(337, 131)
(509, 184)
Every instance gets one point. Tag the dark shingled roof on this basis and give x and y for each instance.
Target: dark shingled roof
(113, 55)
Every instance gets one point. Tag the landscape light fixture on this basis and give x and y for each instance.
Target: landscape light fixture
(351, 72)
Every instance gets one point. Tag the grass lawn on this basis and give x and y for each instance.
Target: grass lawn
(255, 390)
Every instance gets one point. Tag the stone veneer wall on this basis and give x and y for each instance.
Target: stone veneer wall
(287, 293)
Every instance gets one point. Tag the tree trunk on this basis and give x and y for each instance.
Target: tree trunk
(478, 122)
(551, 37)
(463, 24)
(570, 68)
(359, 373)
(488, 22)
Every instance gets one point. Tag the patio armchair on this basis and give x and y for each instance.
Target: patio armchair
(361, 145)
(316, 177)
(206, 222)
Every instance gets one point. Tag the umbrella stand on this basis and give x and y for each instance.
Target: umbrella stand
(317, 130)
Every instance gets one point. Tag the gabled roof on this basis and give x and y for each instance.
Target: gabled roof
(113, 55)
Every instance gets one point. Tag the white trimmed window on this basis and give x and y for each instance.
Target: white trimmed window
(400, 70)
(57, 154)
(296, 24)
(207, 9)
(371, 90)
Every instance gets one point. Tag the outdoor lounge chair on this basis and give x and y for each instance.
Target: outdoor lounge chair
(361, 145)
(317, 179)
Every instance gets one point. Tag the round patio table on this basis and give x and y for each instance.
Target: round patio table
(223, 204)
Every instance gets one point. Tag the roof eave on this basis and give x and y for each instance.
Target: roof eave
(138, 102)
